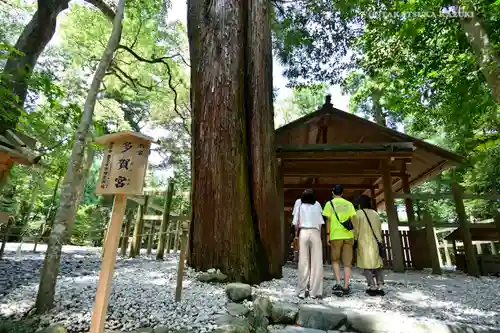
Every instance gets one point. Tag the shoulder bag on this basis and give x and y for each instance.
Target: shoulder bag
(381, 249)
(346, 224)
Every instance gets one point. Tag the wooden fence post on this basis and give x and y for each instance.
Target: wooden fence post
(169, 237)
(176, 239)
(431, 243)
(182, 258)
(126, 232)
(470, 255)
(135, 248)
(447, 253)
(165, 222)
(150, 237)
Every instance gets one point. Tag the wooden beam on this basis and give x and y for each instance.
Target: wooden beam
(335, 172)
(347, 156)
(281, 202)
(408, 202)
(470, 255)
(392, 217)
(347, 147)
(329, 187)
(438, 196)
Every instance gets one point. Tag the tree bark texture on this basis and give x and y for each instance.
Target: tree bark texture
(235, 222)
(488, 58)
(66, 211)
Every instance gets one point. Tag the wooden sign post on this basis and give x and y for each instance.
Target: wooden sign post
(122, 173)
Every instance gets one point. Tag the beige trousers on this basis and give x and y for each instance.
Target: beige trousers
(311, 262)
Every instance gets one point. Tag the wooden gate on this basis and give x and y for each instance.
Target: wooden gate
(405, 241)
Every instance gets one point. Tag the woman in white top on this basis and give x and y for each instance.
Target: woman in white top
(307, 219)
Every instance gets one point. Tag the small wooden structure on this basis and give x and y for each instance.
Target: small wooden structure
(15, 148)
(331, 147)
(489, 264)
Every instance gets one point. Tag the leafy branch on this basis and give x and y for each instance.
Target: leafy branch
(163, 60)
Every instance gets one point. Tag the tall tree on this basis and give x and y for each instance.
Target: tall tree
(234, 200)
(69, 192)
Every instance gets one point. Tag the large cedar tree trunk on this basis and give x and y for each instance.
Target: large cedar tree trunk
(69, 189)
(235, 219)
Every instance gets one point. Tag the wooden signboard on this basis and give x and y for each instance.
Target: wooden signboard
(124, 163)
(122, 173)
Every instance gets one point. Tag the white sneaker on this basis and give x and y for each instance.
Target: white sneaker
(302, 295)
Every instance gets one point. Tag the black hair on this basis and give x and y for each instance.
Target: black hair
(364, 202)
(338, 190)
(308, 197)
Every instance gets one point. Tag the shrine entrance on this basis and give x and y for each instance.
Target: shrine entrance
(331, 147)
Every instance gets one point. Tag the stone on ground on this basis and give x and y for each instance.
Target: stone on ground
(231, 324)
(263, 304)
(284, 313)
(212, 277)
(162, 329)
(238, 292)
(145, 330)
(55, 329)
(320, 317)
(294, 329)
(258, 318)
(237, 309)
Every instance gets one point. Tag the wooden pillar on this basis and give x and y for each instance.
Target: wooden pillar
(496, 219)
(126, 233)
(437, 246)
(169, 237)
(431, 243)
(165, 221)
(281, 206)
(408, 202)
(447, 253)
(493, 249)
(176, 239)
(398, 264)
(135, 248)
(470, 255)
(150, 237)
(374, 198)
(479, 248)
(182, 259)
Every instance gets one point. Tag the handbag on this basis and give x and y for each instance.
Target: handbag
(381, 249)
(346, 224)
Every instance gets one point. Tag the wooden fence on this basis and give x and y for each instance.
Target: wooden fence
(409, 251)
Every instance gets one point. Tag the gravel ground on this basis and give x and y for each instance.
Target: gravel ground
(143, 293)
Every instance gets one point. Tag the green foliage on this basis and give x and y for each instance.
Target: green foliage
(303, 100)
(146, 87)
(411, 63)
